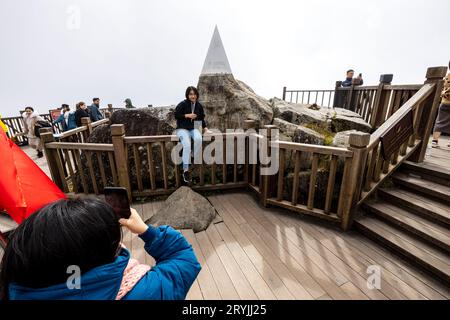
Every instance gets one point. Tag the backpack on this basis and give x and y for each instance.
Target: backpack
(41, 124)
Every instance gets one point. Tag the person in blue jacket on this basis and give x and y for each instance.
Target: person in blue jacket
(71, 249)
(94, 110)
(67, 118)
(349, 80)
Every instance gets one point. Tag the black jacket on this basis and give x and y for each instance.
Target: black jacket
(80, 113)
(184, 107)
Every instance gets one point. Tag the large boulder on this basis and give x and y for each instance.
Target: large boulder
(185, 209)
(332, 120)
(228, 102)
(138, 122)
(299, 113)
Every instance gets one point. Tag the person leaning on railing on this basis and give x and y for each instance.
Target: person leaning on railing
(84, 259)
(81, 112)
(349, 80)
(443, 119)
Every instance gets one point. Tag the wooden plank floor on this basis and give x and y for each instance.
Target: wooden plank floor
(440, 156)
(269, 253)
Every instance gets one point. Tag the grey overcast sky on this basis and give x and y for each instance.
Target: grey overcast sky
(65, 51)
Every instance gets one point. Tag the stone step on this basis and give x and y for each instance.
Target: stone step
(412, 248)
(423, 186)
(420, 204)
(429, 231)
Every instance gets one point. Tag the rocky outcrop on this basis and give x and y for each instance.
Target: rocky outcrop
(228, 102)
(185, 209)
(138, 122)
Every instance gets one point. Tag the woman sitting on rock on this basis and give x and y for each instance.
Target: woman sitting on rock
(190, 124)
(71, 249)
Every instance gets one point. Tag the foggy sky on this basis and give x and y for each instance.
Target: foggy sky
(150, 51)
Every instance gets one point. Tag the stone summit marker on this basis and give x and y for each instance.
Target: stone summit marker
(216, 61)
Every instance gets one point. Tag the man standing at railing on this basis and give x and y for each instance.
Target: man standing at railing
(94, 111)
(349, 81)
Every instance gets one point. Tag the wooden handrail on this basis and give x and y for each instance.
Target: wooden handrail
(174, 138)
(411, 104)
(312, 148)
(80, 146)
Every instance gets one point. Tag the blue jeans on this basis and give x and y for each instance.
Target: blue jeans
(185, 138)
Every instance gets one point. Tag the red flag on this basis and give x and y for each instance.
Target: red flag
(24, 187)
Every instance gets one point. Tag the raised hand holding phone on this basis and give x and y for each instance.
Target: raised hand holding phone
(117, 198)
(134, 223)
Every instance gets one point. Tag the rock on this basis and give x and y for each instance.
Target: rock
(298, 113)
(228, 102)
(343, 123)
(185, 209)
(305, 135)
(332, 120)
(138, 122)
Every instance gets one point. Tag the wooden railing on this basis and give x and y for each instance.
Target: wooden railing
(15, 124)
(326, 182)
(374, 104)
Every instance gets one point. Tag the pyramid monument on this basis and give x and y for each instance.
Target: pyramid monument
(228, 101)
(216, 61)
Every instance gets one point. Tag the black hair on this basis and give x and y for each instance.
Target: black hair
(29, 108)
(350, 70)
(83, 232)
(95, 99)
(189, 89)
(64, 105)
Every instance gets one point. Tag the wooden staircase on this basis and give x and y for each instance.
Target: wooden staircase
(412, 218)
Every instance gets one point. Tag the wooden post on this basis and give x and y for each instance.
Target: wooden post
(50, 155)
(86, 122)
(350, 99)
(248, 124)
(352, 181)
(120, 154)
(337, 95)
(284, 93)
(380, 103)
(265, 192)
(425, 124)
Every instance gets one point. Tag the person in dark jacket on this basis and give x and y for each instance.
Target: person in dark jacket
(81, 112)
(71, 250)
(94, 110)
(349, 81)
(128, 104)
(190, 125)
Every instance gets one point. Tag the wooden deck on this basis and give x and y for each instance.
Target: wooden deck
(440, 157)
(270, 253)
(267, 253)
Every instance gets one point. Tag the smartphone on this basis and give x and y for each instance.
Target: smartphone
(117, 198)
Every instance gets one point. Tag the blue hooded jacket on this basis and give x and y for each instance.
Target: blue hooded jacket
(170, 279)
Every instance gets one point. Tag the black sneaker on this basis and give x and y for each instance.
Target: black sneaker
(187, 176)
(40, 154)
